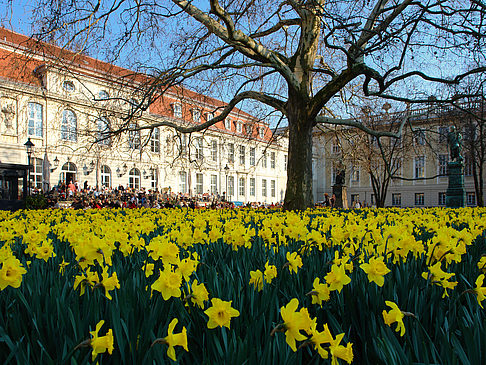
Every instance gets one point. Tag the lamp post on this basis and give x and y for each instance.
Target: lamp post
(29, 146)
(226, 169)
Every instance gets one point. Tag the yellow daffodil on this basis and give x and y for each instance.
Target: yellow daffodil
(294, 322)
(220, 313)
(480, 290)
(294, 262)
(337, 278)
(256, 279)
(270, 273)
(62, 266)
(11, 273)
(376, 270)
(101, 344)
(109, 282)
(199, 294)
(320, 292)
(174, 339)
(168, 283)
(394, 315)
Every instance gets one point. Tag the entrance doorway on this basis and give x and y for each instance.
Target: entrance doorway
(68, 173)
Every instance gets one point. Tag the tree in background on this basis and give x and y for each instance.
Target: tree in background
(292, 57)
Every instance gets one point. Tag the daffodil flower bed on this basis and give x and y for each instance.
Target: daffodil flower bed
(243, 286)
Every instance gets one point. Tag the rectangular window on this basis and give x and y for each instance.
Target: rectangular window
(252, 186)
(239, 127)
(177, 110)
(214, 150)
(443, 133)
(196, 115)
(231, 185)
(354, 199)
(419, 199)
(264, 160)
(442, 198)
(242, 155)
(227, 124)
(155, 141)
(231, 152)
(36, 173)
(286, 161)
(272, 160)
(134, 140)
(252, 156)
(471, 199)
(419, 137)
(355, 174)
(241, 186)
(262, 132)
(264, 187)
(183, 182)
(334, 173)
(35, 119)
(209, 116)
(214, 184)
(199, 148)
(199, 184)
(397, 199)
(419, 167)
(468, 166)
(335, 147)
(272, 188)
(443, 159)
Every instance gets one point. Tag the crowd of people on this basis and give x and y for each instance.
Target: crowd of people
(72, 196)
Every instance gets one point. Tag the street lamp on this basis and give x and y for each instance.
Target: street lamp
(226, 169)
(29, 146)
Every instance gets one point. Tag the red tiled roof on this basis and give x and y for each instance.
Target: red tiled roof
(29, 54)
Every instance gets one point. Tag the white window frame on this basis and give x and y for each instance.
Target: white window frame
(214, 184)
(397, 199)
(214, 150)
(105, 174)
(272, 159)
(231, 185)
(273, 188)
(183, 182)
(252, 156)
(134, 178)
(177, 110)
(198, 144)
(134, 137)
(227, 124)
(242, 155)
(199, 183)
(419, 167)
(264, 188)
(231, 152)
(196, 116)
(442, 161)
(419, 200)
(103, 127)
(155, 140)
(241, 186)
(252, 186)
(441, 198)
(69, 125)
(35, 119)
(239, 127)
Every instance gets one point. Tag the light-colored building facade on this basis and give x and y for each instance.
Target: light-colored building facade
(419, 159)
(67, 109)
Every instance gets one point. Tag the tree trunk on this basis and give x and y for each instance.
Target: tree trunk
(298, 195)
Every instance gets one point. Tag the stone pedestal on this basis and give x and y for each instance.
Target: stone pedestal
(341, 193)
(456, 194)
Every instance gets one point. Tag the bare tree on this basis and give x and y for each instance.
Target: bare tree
(291, 56)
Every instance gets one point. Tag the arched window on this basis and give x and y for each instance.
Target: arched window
(103, 131)
(69, 126)
(68, 173)
(134, 179)
(105, 176)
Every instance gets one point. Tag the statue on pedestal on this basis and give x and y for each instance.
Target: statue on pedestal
(454, 140)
